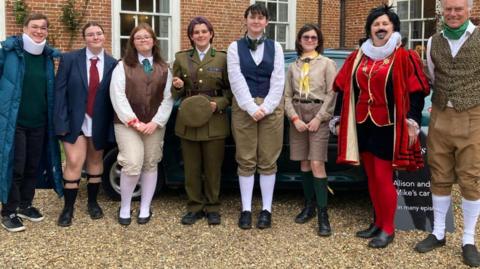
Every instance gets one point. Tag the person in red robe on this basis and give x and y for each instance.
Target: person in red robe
(381, 90)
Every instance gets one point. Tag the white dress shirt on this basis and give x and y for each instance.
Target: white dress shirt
(87, 121)
(201, 54)
(122, 106)
(239, 85)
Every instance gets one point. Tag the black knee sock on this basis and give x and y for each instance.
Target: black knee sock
(308, 189)
(70, 195)
(321, 192)
(92, 189)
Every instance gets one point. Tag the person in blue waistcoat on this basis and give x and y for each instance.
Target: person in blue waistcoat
(26, 126)
(256, 73)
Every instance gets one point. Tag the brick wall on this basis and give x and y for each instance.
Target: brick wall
(98, 10)
(225, 15)
(331, 23)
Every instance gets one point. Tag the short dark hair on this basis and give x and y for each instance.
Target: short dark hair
(34, 17)
(90, 24)
(199, 20)
(257, 9)
(380, 11)
(306, 28)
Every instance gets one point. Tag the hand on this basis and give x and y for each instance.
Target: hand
(300, 125)
(177, 82)
(313, 125)
(149, 128)
(213, 105)
(337, 128)
(259, 115)
(412, 134)
(139, 126)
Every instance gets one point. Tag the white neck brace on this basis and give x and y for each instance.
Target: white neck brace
(31, 47)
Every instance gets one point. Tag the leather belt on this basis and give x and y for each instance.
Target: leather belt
(211, 93)
(304, 101)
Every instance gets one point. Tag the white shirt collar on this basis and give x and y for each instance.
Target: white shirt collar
(470, 28)
(204, 52)
(141, 58)
(90, 55)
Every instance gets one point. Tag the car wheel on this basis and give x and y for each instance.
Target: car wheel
(111, 177)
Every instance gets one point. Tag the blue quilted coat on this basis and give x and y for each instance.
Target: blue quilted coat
(12, 69)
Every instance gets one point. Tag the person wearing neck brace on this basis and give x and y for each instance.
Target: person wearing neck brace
(381, 90)
(83, 118)
(453, 141)
(309, 104)
(26, 125)
(203, 142)
(256, 74)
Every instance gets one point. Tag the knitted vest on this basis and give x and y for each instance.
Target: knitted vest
(257, 76)
(456, 79)
(144, 93)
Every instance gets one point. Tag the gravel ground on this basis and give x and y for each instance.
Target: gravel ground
(164, 242)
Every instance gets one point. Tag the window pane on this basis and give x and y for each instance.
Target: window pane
(272, 11)
(417, 29)
(163, 6)
(429, 9)
(430, 28)
(146, 5)
(404, 28)
(281, 33)
(145, 19)
(164, 49)
(127, 23)
(129, 5)
(283, 12)
(270, 31)
(415, 9)
(163, 27)
(123, 46)
(402, 8)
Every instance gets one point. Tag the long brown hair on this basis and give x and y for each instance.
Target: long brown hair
(131, 54)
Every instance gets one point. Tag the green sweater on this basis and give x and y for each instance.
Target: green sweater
(33, 105)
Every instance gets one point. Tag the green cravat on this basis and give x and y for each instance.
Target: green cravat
(455, 34)
(147, 67)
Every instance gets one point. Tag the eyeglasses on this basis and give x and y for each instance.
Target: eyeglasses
(38, 27)
(309, 37)
(141, 38)
(94, 34)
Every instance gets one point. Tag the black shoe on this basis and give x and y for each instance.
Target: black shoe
(430, 243)
(95, 211)
(324, 228)
(13, 223)
(65, 218)
(381, 240)
(213, 218)
(264, 219)
(31, 213)
(192, 217)
(245, 220)
(308, 212)
(470, 255)
(124, 221)
(370, 232)
(144, 220)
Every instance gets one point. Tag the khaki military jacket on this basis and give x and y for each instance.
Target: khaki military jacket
(211, 75)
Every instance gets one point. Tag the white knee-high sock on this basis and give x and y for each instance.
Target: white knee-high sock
(267, 184)
(471, 210)
(127, 186)
(148, 183)
(440, 209)
(246, 191)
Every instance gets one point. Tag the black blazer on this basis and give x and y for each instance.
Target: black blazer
(71, 91)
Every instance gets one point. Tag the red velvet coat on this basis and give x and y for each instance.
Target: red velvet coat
(408, 77)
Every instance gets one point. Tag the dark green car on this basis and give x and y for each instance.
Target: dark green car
(171, 167)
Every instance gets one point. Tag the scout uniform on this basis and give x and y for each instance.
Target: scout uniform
(202, 132)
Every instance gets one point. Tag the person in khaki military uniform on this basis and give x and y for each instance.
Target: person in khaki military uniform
(200, 79)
